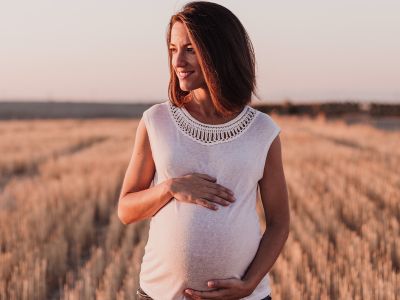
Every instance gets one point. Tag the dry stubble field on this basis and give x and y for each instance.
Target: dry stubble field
(60, 237)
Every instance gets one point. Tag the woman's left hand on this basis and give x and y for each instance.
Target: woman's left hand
(229, 289)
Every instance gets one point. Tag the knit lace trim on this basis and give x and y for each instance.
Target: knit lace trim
(209, 134)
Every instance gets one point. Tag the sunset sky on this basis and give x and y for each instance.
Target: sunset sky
(115, 51)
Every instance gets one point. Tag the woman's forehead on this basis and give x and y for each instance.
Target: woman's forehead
(179, 34)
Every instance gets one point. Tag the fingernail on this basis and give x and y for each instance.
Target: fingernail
(210, 283)
(188, 292)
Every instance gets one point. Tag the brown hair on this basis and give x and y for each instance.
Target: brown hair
(225, 54)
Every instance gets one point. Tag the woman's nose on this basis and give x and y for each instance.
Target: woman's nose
(180, 59)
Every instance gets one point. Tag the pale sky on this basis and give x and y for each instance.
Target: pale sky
(97, 50)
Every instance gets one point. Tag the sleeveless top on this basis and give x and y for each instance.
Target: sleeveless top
(189, 244)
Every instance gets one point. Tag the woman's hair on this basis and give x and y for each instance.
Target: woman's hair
(225, 54)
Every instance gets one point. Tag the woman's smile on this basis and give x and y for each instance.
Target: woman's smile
(184, 75)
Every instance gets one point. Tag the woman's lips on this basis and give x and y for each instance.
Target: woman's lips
(184, 75)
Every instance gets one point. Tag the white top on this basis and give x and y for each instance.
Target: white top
(190, 244)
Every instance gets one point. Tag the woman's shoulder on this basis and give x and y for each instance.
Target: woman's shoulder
(156, 108)
(157, 115)
(267, 120)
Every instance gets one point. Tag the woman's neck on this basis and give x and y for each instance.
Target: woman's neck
(201, 107)
(201, 103)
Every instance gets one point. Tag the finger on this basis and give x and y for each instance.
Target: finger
(216, 199)
(216, 294)
(214, 187)
(205, 176)
(188, 296)
(224, 194)
(224, 283)
(191, 295)
(205, 203)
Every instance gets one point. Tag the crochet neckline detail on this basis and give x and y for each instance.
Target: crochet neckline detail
(211, 134)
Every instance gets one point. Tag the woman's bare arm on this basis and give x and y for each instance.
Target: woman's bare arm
(137, 201)
(274, 196)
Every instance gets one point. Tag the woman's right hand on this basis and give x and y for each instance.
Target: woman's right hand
(200, 189)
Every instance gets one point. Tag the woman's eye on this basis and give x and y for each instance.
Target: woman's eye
(188, 49)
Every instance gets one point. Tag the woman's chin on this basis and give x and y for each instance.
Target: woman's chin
(185, 87)
(190, 86)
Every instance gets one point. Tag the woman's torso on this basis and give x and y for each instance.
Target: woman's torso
(189, 244)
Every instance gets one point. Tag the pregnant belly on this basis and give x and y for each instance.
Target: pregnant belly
(197, 244)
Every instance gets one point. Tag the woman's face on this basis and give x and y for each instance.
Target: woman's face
(184, 59)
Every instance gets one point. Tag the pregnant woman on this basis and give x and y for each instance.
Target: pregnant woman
(197, 162)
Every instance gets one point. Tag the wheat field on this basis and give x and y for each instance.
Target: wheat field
(60, 237)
